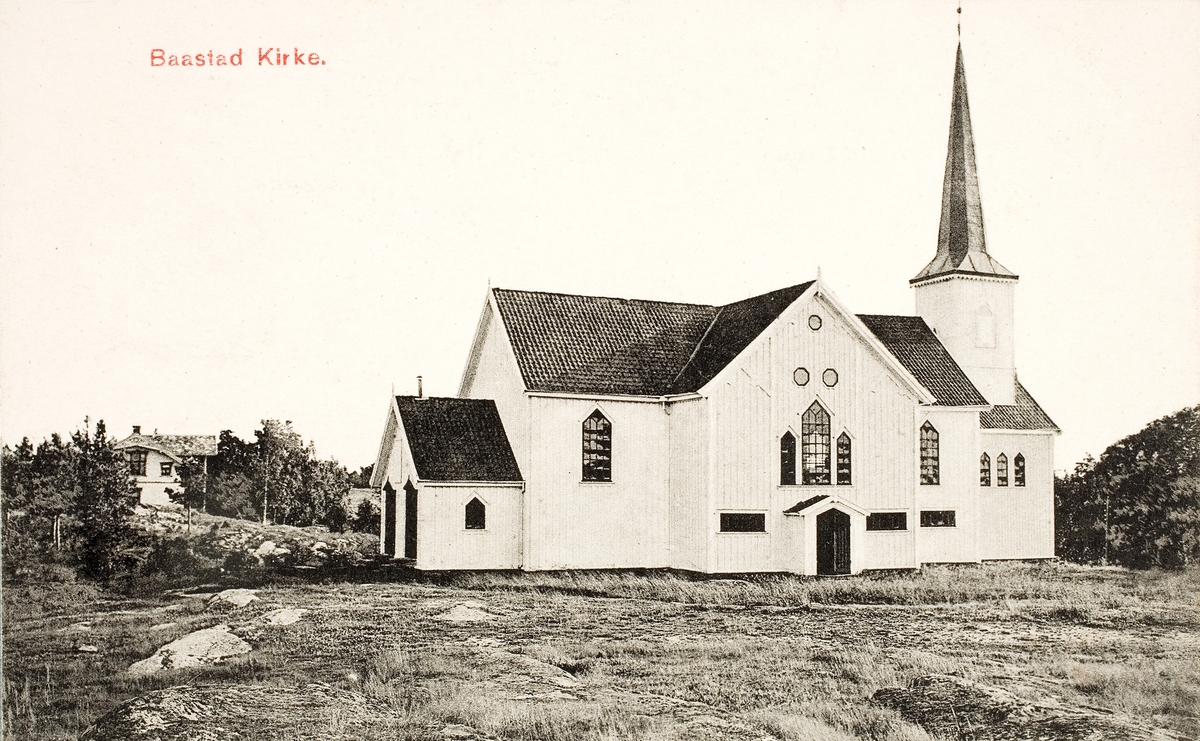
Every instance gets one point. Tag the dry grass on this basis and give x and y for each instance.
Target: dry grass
(1066, 585)
(794, 657)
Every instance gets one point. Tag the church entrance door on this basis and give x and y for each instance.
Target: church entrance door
(833, 543)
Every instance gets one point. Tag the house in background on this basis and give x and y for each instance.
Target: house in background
(778, 433)
(154, 461)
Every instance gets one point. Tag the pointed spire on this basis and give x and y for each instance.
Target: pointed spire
(961, 243)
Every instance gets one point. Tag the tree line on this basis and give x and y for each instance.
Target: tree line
(1138, 504)
(71, 500)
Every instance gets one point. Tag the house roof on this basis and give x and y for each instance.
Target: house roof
(175, 446)
(597, 345)
(919, 350)
(1025, 414)
(457, 439)
(962, 247)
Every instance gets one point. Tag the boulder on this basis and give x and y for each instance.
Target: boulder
(235, 597)
(284, 616)
(208, 646)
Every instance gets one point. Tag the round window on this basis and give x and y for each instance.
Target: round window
(814, 322)
(800, 376)
(829, 377)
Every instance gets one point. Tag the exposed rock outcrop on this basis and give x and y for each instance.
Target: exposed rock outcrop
(208, 646)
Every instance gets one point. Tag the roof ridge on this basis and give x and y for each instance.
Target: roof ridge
(699, 344)
(608, 298)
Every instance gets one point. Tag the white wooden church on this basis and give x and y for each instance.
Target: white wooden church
(778, 433)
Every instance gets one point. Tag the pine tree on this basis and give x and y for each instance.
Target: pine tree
(104, 505)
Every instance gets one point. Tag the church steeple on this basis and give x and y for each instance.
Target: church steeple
(963, 294)
(962, 247)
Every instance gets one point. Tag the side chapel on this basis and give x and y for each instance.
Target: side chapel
(778, 433)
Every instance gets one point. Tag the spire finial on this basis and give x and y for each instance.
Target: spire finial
(959, 23)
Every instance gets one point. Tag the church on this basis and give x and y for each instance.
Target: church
(781, 433)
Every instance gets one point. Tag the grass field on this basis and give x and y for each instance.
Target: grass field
(599, 655)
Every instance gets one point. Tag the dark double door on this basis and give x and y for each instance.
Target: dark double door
(390, 513)
(833, 542)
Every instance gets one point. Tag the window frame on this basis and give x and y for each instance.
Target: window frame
(592, 470)
(1018, 470)
(787, 459)
(164, 469)
(904, 521)
(816, 446)
(137, 462)
(1002, 470)
(930, 451)
(468, 520)
(759, 515)
(928, 519)
(985, 470)
(848, 459)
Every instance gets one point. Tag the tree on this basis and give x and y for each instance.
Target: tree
(1139, 504)
(104, 505)
(366, 517)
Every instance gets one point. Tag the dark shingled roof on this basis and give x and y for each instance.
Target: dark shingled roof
(919, 350)
(178, 446)
(733, 328)
(801, 506)
(457, 439)
(1024, 415)
(595, 345)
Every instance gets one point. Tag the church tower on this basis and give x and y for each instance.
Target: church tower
(964, 294)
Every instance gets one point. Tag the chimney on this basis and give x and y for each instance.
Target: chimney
(137, 429)
(420, 389)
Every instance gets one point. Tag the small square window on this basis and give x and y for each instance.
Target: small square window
(937, 518)
(743, 522)
(164, 469)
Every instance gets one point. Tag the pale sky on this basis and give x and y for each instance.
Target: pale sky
(196, 249)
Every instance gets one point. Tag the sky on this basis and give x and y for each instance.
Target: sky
(193, 249)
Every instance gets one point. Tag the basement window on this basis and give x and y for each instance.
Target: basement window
(743, 522)
(937, 518)
(887, 521)
(476, 515)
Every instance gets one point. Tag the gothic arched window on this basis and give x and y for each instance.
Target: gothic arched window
(476, 515)
(597, 448)
(814, 434)
(787, 459)
(1002, 470)
(985, 470)
(930, 465)
(1019, 470)
(843, 459)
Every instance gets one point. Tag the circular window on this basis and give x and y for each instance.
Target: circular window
(814, 322)
(829, 377)
(800, 376)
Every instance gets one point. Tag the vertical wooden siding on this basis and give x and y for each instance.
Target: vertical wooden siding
(443, 542)
(689, 523)
(958, 442)
(496, 377)
(755, 401)
(577, 524)
(1018, 521)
